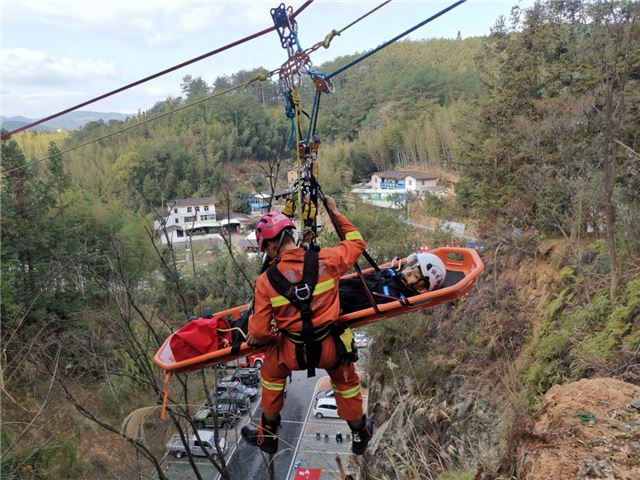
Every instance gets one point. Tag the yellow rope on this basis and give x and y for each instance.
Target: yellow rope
(295, 99)
(244, 335)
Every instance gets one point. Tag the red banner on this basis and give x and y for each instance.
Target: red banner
(308, 474)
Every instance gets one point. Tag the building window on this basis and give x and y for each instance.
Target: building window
(189, 219)
(188, 209)
(197, 209)
(175, 210)
(206, 208)
(179, 233)
(177, 220)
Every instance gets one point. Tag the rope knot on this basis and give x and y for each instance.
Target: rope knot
(330, 36)
(260, 77)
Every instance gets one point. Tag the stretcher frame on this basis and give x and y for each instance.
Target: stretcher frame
(456, 259)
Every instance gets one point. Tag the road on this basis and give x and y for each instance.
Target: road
(302, 438)
(248, 463)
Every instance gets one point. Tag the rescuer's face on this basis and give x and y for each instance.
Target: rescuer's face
(271, 248)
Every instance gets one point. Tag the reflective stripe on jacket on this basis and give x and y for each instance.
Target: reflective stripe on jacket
(333, 263)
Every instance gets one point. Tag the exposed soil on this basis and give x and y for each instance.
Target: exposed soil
(585, 430)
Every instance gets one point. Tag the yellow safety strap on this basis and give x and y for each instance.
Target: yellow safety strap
(276, 387)
(295, 99)
(355, 235)
(321, 288)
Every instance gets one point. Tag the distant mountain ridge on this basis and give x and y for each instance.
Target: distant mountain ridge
(70, 121)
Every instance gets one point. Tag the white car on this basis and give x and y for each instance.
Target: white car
(325, 408)
(198, 448)
(325, 394)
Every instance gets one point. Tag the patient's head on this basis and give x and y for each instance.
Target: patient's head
(424, 271)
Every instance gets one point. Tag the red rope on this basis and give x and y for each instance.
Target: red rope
(151, 77)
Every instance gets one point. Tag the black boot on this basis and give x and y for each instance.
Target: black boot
(362, 435)
(265, 436)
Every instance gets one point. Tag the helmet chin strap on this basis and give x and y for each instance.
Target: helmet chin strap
(284, 232)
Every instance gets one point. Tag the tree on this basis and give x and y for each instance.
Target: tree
(58, 180)
(613, 44)
(24, 235)
(194, 87)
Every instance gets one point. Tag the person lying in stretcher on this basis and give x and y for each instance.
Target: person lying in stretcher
(419, 273)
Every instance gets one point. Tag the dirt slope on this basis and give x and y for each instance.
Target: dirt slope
(585, 430)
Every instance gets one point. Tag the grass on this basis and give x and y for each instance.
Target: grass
(575, 341)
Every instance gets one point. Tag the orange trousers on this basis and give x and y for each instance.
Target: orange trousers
(280, 360)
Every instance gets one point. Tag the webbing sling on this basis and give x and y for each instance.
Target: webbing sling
(301, 295)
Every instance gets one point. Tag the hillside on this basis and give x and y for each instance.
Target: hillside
(69, 121)
(473, 381)
(535, 127)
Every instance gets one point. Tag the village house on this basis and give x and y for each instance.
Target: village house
(259, 202)
(186, 218)
(389, 189)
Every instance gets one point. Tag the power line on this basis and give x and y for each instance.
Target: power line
(6, 135)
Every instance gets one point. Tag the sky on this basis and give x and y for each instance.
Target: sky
(58, 53)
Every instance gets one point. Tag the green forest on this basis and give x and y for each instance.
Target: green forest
(539, 120)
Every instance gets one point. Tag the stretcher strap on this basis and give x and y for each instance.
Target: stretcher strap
(165, 397)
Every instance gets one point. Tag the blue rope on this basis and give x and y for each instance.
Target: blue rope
(288, 110)
(291, 131)
(394, 39)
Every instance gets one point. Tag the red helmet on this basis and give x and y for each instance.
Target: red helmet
(270, 225)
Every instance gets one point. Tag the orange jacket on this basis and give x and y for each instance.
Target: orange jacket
(333, 263)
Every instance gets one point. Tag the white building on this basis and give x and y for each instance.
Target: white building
(190, 217)
(390, 189)
(409, 181)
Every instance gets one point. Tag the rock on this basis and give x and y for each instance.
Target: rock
(635, 404)
(597, 442)
(593, 468)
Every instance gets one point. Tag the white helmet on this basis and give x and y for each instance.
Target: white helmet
(432, 268)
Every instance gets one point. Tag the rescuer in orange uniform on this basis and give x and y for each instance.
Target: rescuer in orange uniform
(331, 347)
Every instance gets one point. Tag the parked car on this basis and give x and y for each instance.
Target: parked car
(241, 401)
(197, 447)
(225, 416)
(325, 407)
(325, 394)
(361, 340)
(235, 387)
(249, 376)
(255, 361)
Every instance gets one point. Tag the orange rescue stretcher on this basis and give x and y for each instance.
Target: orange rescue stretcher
(463, 267)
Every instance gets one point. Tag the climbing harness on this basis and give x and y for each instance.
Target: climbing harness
(300, 295)
(308, 341)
